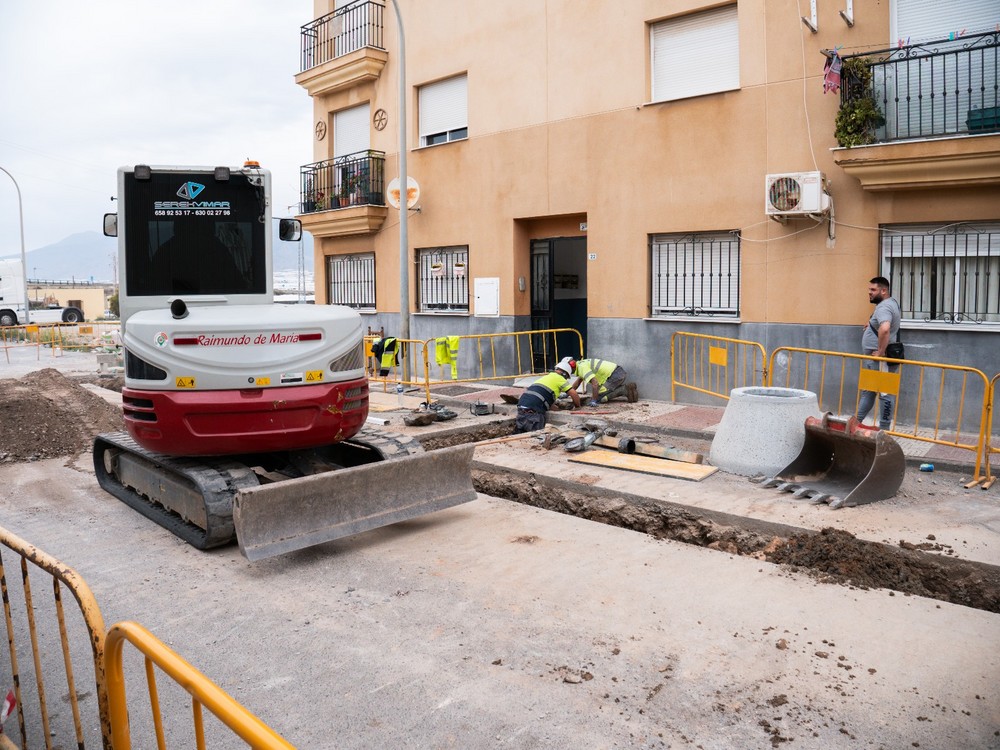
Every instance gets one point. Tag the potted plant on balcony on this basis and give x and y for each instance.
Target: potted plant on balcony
(859, 113)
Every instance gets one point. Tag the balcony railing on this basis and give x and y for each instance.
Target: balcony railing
(341, 32)
(943, 88)
(353, 180)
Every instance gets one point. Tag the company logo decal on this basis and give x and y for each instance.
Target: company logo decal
(190, 190)
(161, 339)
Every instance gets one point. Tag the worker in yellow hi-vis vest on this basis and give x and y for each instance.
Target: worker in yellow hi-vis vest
(604, 379)
(446, 353)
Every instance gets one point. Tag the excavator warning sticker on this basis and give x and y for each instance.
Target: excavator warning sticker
(262, 381)
(184, 382)
(314, 376)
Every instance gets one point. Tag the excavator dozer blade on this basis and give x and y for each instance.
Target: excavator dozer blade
(843, 463)
(273, 519)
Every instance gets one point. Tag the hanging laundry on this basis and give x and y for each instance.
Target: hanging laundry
(831, 73)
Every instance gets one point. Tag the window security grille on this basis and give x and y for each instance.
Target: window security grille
(944, 273)
(352, 280)
(696, 274)
(444, 279)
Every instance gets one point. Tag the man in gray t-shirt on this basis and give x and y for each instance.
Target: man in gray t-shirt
(882, 328)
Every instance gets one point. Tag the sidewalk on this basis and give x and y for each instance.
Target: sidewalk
(700, 421)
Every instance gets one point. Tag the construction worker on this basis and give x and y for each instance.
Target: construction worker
(534, 404)
(604, 379)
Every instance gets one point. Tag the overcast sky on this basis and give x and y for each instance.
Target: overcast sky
(87, 87)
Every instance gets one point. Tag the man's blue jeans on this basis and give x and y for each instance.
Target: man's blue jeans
(886, 403)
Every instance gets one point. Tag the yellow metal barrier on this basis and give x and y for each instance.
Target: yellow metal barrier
(714, 365)
(60, 337)
(106, 650)
(505, 356)
(990, 448)
(204, 693)
(61, 576)
(17, 337)
(499, 356)
(409, 366)
(959, 420)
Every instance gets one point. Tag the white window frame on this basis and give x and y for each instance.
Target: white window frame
(443, 111)
(350, 281)
(944, 274)
(681, 285)
(444, 289)
(695, 54)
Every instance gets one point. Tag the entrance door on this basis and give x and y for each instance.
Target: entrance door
(559, 293)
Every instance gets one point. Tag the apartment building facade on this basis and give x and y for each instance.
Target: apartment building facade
(638, 168)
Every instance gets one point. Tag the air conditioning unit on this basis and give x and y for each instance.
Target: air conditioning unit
(796, 194)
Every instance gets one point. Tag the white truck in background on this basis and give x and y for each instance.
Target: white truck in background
(12, 302)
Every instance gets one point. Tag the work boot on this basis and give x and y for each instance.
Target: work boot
(631, 392)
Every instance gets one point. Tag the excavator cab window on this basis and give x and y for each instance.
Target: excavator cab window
(190, 235)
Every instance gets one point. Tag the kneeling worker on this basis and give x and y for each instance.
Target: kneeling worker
(534, 404)
(606, 381)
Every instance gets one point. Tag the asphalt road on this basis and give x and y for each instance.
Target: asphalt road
(495, 624)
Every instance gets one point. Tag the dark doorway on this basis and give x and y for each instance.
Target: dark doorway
(559, 292)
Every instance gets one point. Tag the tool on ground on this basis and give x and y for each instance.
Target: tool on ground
(481, 409)
(233, 400)
(843, 463)
(630, 445)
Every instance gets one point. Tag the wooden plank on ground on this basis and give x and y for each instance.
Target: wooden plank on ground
(645, 465)
(653, 451)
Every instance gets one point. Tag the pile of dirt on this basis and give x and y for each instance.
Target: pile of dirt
(47, 415)
(840, 557)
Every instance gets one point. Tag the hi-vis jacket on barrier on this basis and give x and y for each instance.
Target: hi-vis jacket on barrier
(386, 351)
(542, 393)
(446, 353)
(588, 369)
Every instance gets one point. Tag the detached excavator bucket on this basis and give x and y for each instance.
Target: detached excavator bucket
(277, 518)
(843, 463)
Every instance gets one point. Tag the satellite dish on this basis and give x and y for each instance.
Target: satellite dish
(412, 192)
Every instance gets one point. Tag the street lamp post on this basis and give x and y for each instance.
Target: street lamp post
(404, 255)
(24, 259)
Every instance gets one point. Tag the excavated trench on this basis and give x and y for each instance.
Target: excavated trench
(830, 555)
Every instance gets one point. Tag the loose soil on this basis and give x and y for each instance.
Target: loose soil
(48, 415)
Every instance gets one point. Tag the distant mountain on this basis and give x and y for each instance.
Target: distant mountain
(90, 256)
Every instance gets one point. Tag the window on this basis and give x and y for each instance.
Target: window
(695, 54)
(944, 273)
(351, 280)
(696, 274)
(444, 281)
(444, 112)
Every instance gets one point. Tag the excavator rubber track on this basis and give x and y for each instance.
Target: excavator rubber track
(285, 509)
(190, 497)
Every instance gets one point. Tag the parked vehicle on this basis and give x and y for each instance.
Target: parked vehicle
(12, 307)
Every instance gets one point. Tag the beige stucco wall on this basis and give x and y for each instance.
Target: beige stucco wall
(561, 131)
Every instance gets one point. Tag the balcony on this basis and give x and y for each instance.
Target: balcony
(345, 195)
(923, 115)
(342, 49)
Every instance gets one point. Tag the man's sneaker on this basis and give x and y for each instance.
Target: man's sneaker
(631, 392)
